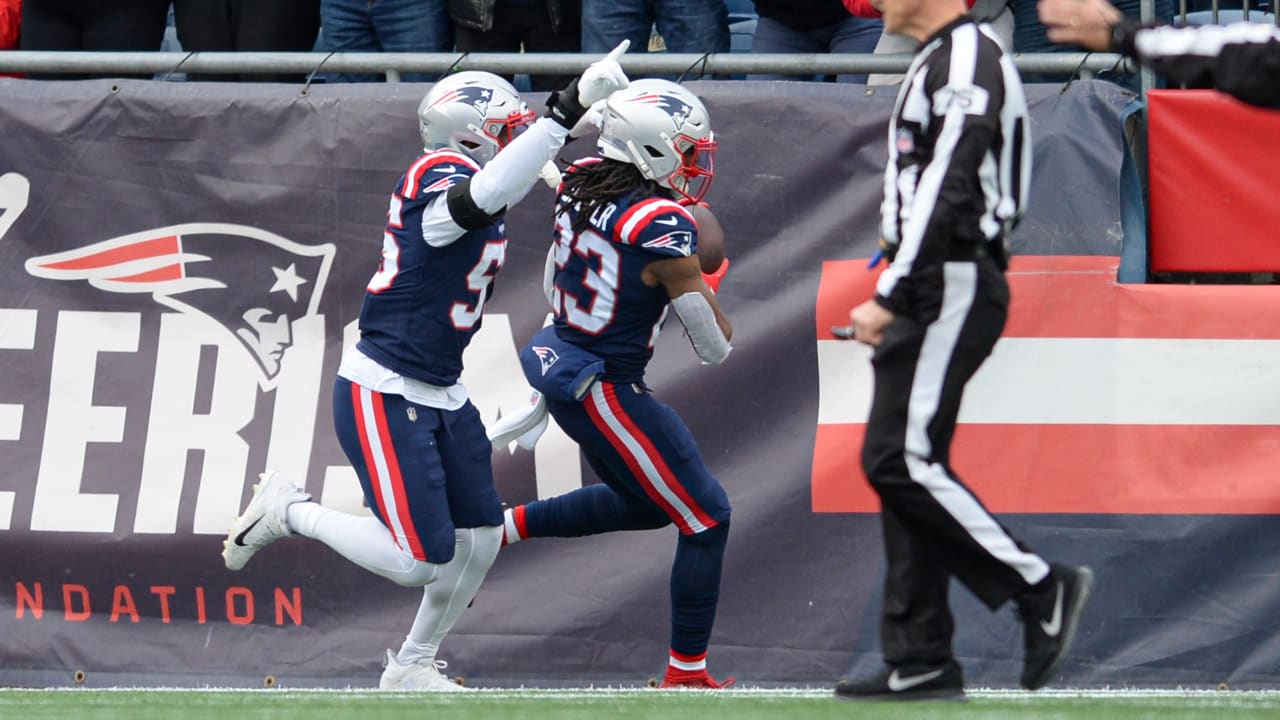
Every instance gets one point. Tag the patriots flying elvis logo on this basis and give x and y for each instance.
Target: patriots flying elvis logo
(670, 104)
(546, 355)
(679, 240)
(253, 282)
(473, 95)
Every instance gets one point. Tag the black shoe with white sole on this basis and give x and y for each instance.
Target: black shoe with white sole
(907, 682)
(1050, 619)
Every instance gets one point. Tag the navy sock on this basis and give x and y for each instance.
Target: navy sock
(695, 589)
(589, 510)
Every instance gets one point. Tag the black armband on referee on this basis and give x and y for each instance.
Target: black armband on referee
(1124, 37)
(465, 212)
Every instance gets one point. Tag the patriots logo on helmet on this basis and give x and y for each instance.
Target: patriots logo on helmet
(546, 355)
(253, 282)
(476, 96)
(678, 109)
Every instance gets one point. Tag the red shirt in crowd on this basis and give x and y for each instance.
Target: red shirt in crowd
(10, 14)
(863, 8)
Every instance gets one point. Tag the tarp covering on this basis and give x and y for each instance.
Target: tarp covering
(1212, 175)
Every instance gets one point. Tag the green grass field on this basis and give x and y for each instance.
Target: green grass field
(747, 704)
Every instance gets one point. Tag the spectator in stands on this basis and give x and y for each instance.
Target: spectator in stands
(686, 26)
(515, 25)
(10, 20)
(247, 25)
(812, 26)
(1242, 59)
(997, 12)
(123, 25)
(416, 26)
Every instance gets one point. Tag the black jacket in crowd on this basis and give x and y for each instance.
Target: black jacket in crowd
(1242, 59)
(478, 14)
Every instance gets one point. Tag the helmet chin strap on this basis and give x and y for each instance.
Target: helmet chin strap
(637, 156)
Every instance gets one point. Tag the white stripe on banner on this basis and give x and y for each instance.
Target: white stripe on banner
(1087, 381)
(636, 450)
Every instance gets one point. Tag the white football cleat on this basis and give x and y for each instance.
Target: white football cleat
(264, 519)
(417, 676)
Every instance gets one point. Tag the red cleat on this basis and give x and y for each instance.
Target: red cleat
(693, 679)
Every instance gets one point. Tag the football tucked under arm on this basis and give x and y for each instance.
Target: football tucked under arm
(711, 246)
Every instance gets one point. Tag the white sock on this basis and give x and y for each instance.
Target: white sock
(363, 540)
(512, 522)
(448, 595)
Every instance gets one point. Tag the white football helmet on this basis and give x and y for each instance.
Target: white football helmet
(664, 130)
(476, 113)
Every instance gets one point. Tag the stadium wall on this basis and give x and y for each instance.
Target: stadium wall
(149, 228)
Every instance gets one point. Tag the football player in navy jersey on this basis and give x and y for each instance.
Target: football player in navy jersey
(402, 417)
(625, 252)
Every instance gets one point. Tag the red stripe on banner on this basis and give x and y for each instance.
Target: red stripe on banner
(397, 480)
(664, 471)
(168, 272)
(157, 247)
(1106, 469)
(1078, 296)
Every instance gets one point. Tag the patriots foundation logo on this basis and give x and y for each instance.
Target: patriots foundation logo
(253, 282)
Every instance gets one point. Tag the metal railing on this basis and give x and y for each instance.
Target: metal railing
(393, 64)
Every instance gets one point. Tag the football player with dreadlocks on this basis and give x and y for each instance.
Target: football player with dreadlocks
(625, 251)
(403, 418)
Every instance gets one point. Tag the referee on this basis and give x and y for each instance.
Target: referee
(956, 183)
(1241, 59)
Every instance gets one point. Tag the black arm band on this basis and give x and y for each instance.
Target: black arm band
(1124, 36)
(465, 212)
(563, 106)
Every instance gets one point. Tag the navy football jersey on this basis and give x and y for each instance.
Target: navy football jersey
(599, 300)
(425, 303)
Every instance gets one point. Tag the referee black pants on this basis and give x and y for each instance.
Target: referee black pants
(934, 526)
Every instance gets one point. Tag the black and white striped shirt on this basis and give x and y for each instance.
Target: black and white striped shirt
(959, 157)
(1242, 59)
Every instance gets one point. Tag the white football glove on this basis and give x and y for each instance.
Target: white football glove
(523, 426)
(603, 77)
(551, 175)
(591, 120)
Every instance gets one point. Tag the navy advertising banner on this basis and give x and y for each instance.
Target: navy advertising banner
(184, 263)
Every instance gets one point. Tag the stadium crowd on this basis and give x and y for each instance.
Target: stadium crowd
(561, 26)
